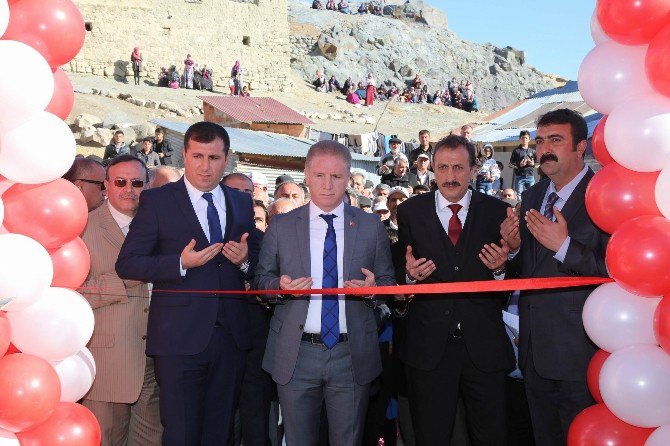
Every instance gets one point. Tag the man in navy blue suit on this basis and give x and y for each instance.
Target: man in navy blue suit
(195, 235)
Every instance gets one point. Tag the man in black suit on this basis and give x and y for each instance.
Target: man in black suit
(455, 344)
(554, 237)
(420, 174)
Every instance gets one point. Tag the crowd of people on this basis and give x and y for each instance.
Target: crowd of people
(179, 363)
(343, 7)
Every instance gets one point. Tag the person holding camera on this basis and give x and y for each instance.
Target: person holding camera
(524, 162)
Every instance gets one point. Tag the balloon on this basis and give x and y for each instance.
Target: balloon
(52, 213)
(635, 385)
(598, 144)
(2, 211)
(638, 256)
(71, 264)
(12, 349)
(661, 324)
(613, 74)
(660, 437)
(8, 438)
(661, 191)
(19, 103)
(616, 194)
(4, 16)
(5, 334)
(614, 318)
(25, 271)
(631, 22)
(597, 32)
(637, 133)
(657, 61)
(24, 161)
(76, 374)
(593, 374)
(55, 29)
(597, 426)
(63, 97)
(70, 425)
(30, 390)
(58, 325)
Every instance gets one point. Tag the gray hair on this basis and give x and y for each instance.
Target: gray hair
(328, 148)
(272, 208)
(381, 186)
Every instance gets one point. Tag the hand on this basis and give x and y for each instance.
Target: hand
(357, 283)
(238, 253)
(494, 256)
(190, 258)
(303, 283)
(161, 155)
(549, 234)
(509, 230)
(418, 269)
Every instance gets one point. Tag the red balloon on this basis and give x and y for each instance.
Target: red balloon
(597, 426)
(70, 425)
(632, 22)
(593, 374)
(616, 194)
(51, 213)
(63, 99)
(638, 256)
(662, 324)
(657, 61)
(71, 264)
(54, 28)
(600, 151)
(30, 390)
(5, 334)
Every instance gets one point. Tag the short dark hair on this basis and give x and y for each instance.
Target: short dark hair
(424, 132)
(159, 130)
(148, 139)
(260, 204)
(523, 133)
(580, 130)
(119, 132)
(80, 167)
(206, 132)
(454, 142)
(126, 159)
(238, 175)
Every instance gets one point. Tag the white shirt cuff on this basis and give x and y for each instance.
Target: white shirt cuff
(513, 254)
(563, 250)
(182, 271)
(500, 276)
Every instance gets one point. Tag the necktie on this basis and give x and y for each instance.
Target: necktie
(549, 207)
(455, 226)
(215, 234)
(330, 311)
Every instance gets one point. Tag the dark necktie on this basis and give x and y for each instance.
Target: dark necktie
(215, 234)
(455, 226)
(330, 311)
(549, 207)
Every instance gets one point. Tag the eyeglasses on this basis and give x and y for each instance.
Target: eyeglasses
(98, 183)
(122, 182)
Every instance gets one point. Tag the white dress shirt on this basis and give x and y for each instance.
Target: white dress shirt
(121, 219)
(444, 213)
(317, 237)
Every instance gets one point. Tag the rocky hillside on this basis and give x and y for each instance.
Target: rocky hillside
(396, 46)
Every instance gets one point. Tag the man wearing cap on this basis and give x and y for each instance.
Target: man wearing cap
(419, 173)
(365, 204)
(289, 189)
(424, 147)
(396, 196)
(380, 208)
(387, 162)
(397, 177)
(260, 186)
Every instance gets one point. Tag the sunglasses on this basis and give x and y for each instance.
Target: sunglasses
(98, 183)
(122, 182)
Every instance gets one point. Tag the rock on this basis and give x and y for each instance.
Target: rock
(493, 69)
(369, 119)
(121, 69)
(96, 136)
(181, 112)
(86, 120)
(406, 71)
(144, 130)
(108, 71)
(167, 105)
(322, 116)
(395, 65)
(327, 47)
(152, 104)
(335, 116)
(83, 90)
(128, 132)
(125, 96)
(432, 17)
(95, 91)
(110, 95)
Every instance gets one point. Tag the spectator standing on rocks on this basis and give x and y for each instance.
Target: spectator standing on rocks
(116, 148)
(147, 154)
(236, 75)
(136, 61)
(188, 71)
(370, 90)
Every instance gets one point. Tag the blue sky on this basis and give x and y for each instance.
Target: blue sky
(555, 35)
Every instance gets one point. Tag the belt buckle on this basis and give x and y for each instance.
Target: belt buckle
(457, 333)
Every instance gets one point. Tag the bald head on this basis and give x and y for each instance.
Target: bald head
(163, 175)
(280, 206)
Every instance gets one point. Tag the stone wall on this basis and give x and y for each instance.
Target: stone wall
(302, 46)
(215, 32)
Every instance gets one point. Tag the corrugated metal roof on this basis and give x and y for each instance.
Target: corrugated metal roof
(250, 109)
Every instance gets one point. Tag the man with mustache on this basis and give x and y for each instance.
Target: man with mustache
(454, 344)
(554, 237)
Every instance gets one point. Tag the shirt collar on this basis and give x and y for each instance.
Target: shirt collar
(442, 202)
(121, 219)
(567, 190)
(315, 212)
(194, 194)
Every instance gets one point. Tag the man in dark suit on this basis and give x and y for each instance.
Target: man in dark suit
(420, 174)
(455, 345)
(195, 234)
(554, 237)
(324, 349)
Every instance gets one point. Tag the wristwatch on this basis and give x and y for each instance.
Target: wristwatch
(244, 266)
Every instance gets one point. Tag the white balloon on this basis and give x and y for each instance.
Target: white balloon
(637, 133)
(8, 438)
(76, 374)
(613, 74)
(2, 212)
(660, 437)
(4, 19)
(24, 161)
(661, 192)
(26, 271)
(34, 71)
(597, 32)
(635, 385)
(58, 325)
(614, 318)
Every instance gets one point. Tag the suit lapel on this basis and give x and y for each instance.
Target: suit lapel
(110, 228)
(229, 212)
(350, 232)
(536, 203)
(303, 235)
(576, 200)
(183, 203)
(437, 228)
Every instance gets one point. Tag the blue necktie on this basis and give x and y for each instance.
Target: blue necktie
(549, 207)
(215, 234)
(330, 311)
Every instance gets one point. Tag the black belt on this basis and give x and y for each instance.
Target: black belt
(315, 338)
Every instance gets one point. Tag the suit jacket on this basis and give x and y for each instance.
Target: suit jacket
(552, 319)
(286, 250)
(120, 309)
(181, 323)
(414, 178)
(430, 319)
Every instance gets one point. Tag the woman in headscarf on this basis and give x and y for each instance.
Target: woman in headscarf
(236, 75)
(188, 71)
(136, 60)
(370, 90)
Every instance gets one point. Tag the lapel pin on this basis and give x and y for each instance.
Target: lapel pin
(352, 223)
